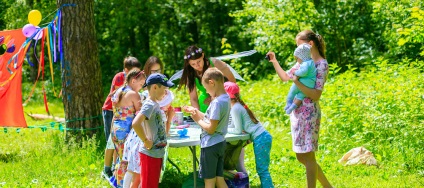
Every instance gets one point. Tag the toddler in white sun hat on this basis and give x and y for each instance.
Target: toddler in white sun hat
(307, 76)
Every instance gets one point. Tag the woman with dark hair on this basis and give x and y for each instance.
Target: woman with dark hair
(195, 64)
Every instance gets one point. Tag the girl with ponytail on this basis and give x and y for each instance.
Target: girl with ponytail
(243, 120)
(126, 102)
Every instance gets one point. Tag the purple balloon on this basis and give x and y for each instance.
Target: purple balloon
(1, 39)
(29, 30)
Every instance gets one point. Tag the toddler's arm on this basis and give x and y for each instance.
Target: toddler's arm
(314, 94)
(303, 70)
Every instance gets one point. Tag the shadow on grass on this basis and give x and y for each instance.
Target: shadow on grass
(172, 178)
(8, 157)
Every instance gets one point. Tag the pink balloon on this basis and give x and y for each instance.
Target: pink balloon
(39, 34)
(28, 30)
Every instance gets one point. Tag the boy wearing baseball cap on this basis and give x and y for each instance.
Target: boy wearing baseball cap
(150, 128)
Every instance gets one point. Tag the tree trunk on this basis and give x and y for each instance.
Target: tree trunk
(81, 75)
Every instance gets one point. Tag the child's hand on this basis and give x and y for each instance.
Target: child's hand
(189, 109)
(148, 144)
(171, 112)
(295, 78)
(196, 116)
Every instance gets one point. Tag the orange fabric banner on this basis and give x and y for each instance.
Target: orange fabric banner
(11, 110)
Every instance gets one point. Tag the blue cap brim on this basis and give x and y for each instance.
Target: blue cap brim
(168, 84)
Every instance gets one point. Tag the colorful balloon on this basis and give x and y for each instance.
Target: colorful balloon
(34, 17)
(1, 39)
(28, 30)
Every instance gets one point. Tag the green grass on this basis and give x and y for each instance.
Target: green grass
(381, 110)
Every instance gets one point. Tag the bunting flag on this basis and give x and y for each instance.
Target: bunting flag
(14, 47)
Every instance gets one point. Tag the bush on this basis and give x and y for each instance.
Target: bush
(379, 108)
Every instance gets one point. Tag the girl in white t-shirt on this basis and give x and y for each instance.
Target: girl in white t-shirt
(243, 120)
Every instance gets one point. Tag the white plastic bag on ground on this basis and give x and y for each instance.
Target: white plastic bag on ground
(358, 155)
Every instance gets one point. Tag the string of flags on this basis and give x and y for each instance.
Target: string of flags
(60, 126)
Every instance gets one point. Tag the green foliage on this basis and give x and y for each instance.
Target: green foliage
(345, 25)
(37, 96)
(144, 28)
(161, 28)
(356, 32)
(399, 24)
(347, 30)
(272, 26)
(247, 69)
(16, 14)
(380, 109)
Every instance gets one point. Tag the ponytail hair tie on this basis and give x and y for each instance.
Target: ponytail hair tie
(140, 73)
(245, 106)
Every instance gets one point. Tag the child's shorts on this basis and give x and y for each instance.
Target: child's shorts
(212, 161)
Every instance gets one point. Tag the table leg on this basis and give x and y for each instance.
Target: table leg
(193, 151)
(175, 165)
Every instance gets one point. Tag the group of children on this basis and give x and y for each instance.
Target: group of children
(123, 113)
(141, 121)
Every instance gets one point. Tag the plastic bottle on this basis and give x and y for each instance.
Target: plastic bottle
(179, 116)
